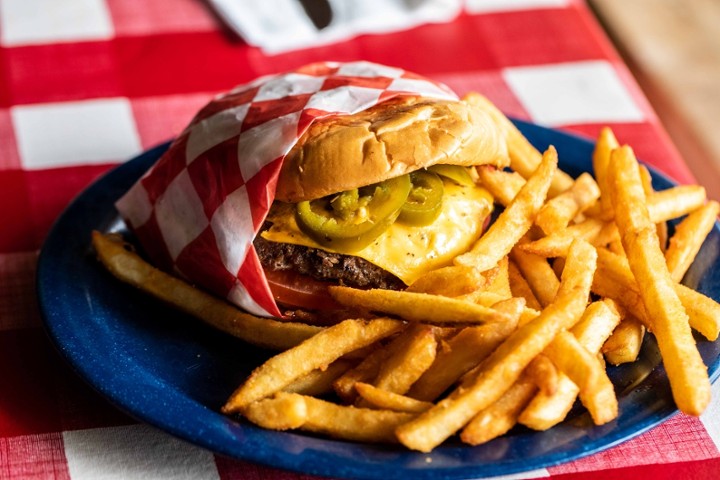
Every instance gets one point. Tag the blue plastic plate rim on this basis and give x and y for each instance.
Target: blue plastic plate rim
(173, 372)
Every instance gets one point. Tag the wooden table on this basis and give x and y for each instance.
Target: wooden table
(673, 49)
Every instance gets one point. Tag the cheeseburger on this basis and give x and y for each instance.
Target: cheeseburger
(337, 173)
(378, 198)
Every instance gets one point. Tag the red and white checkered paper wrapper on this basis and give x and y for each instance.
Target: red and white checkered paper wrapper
(199, 208)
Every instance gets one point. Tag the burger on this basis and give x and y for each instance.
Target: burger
(377, 198)
(352, 173)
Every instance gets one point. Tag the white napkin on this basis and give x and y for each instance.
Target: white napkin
(282, 25)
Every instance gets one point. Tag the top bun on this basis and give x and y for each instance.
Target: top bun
(393, 138)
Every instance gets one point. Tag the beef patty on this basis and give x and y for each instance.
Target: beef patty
(321, 265)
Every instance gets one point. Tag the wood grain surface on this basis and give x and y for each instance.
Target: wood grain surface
(673, 49)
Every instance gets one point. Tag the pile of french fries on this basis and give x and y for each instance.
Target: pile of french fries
(571, 275)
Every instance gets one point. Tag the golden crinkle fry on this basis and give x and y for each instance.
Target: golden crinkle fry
(570, 276)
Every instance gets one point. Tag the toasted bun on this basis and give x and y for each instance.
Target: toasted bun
(393, 138)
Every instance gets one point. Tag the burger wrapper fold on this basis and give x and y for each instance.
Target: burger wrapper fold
(197, 211)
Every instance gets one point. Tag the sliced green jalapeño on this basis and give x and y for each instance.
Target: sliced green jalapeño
(424, 203)
(349, 221)
(456, 173)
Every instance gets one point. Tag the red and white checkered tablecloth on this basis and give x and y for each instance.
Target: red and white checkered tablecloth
(86, 84)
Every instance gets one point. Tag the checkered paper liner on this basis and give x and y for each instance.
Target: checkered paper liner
(197, 211)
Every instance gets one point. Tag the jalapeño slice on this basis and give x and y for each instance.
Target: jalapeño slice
(424, 203)
(351, 220)
(456, 173)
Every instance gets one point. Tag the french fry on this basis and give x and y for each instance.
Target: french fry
(606, 143)
(450, 281)
(365, 371)
(670, 323)
(352, 423)
(501, 416)
(573, 360)
(559, 211)
(524, 158)
(499, 302)
(284, 411)
(417, 307)
(314, 415)
(521, 288)
(545, 411)
(128, 267)
(688, 238)
(491, 281)
(704, 312)
(543, 372)
(459, 355)
(623, 345)
(319, 382)
(586, 371)
(500, 283)
(514, 221)
(661, 227)
(316, 352)
(675, 202)
(383, 399)
(557, 244)
(538, 273)
(601, 401)
(608, 234)
(411, 354)
(616, 281)
(514, 307)
(599, 320)
(504, 366)
(625, 294)
(467, 379)
(503, 185)
(616, 266)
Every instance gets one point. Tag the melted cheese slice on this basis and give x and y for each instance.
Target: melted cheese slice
(406, 251)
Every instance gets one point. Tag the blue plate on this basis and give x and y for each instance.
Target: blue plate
(174, 372)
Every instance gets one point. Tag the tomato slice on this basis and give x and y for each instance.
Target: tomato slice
(295, 290)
